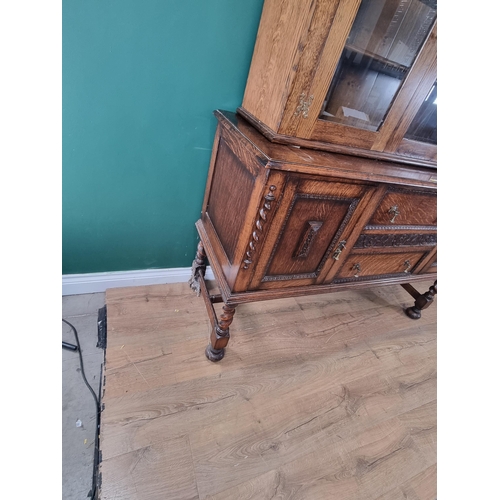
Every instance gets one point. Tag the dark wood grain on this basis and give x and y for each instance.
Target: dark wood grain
(232, 186)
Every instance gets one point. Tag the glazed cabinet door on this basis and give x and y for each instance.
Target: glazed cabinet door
(355, 73)
(420, 138)
(383, 72)
(311, 226)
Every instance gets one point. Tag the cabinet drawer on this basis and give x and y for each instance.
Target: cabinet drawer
(401, 207)
(367, 265)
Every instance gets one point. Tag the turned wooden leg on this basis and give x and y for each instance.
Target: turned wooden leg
(422, 301)
(198, 269)
(220, 334)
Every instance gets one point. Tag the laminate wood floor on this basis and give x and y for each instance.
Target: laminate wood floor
(321, 397)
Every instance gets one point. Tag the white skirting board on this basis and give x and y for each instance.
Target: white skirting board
(76, 284)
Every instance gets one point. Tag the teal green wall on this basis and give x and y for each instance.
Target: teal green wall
(140, 82)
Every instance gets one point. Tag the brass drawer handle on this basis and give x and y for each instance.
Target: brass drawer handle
(407, 265)
(394, 211)
(336, 254)
(357, 268)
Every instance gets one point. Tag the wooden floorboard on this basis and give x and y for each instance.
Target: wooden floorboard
(318, 397)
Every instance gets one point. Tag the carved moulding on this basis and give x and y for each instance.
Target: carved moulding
(395, 240)
(312, 229)
(259, 226)
(368, 278)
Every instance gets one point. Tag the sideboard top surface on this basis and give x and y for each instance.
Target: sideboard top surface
(292, 158)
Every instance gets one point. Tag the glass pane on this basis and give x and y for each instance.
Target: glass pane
(423, 128)
(382, 45)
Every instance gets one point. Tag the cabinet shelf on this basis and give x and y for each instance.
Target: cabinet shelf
(379, 63)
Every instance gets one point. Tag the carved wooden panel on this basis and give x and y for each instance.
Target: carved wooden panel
(396, 240)
(406, 207)
(229, 197)
(308, 238)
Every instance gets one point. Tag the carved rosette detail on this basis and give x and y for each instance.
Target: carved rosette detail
(259, 226)
(304, 105)
(198, 269)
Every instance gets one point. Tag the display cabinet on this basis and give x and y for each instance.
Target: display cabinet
(325, 178)
(280, 221)
(348, 76)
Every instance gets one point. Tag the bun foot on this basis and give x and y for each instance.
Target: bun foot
(413, 312)
(214, 354)
(422, 300)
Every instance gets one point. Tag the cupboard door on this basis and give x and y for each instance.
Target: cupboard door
(313, 219)
(370, 80)
(381, 47)
(420, 139)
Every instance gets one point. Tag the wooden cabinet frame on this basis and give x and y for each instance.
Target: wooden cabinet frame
(298, 48)
(253, 203)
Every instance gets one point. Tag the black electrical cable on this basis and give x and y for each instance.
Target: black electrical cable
(98, 410)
